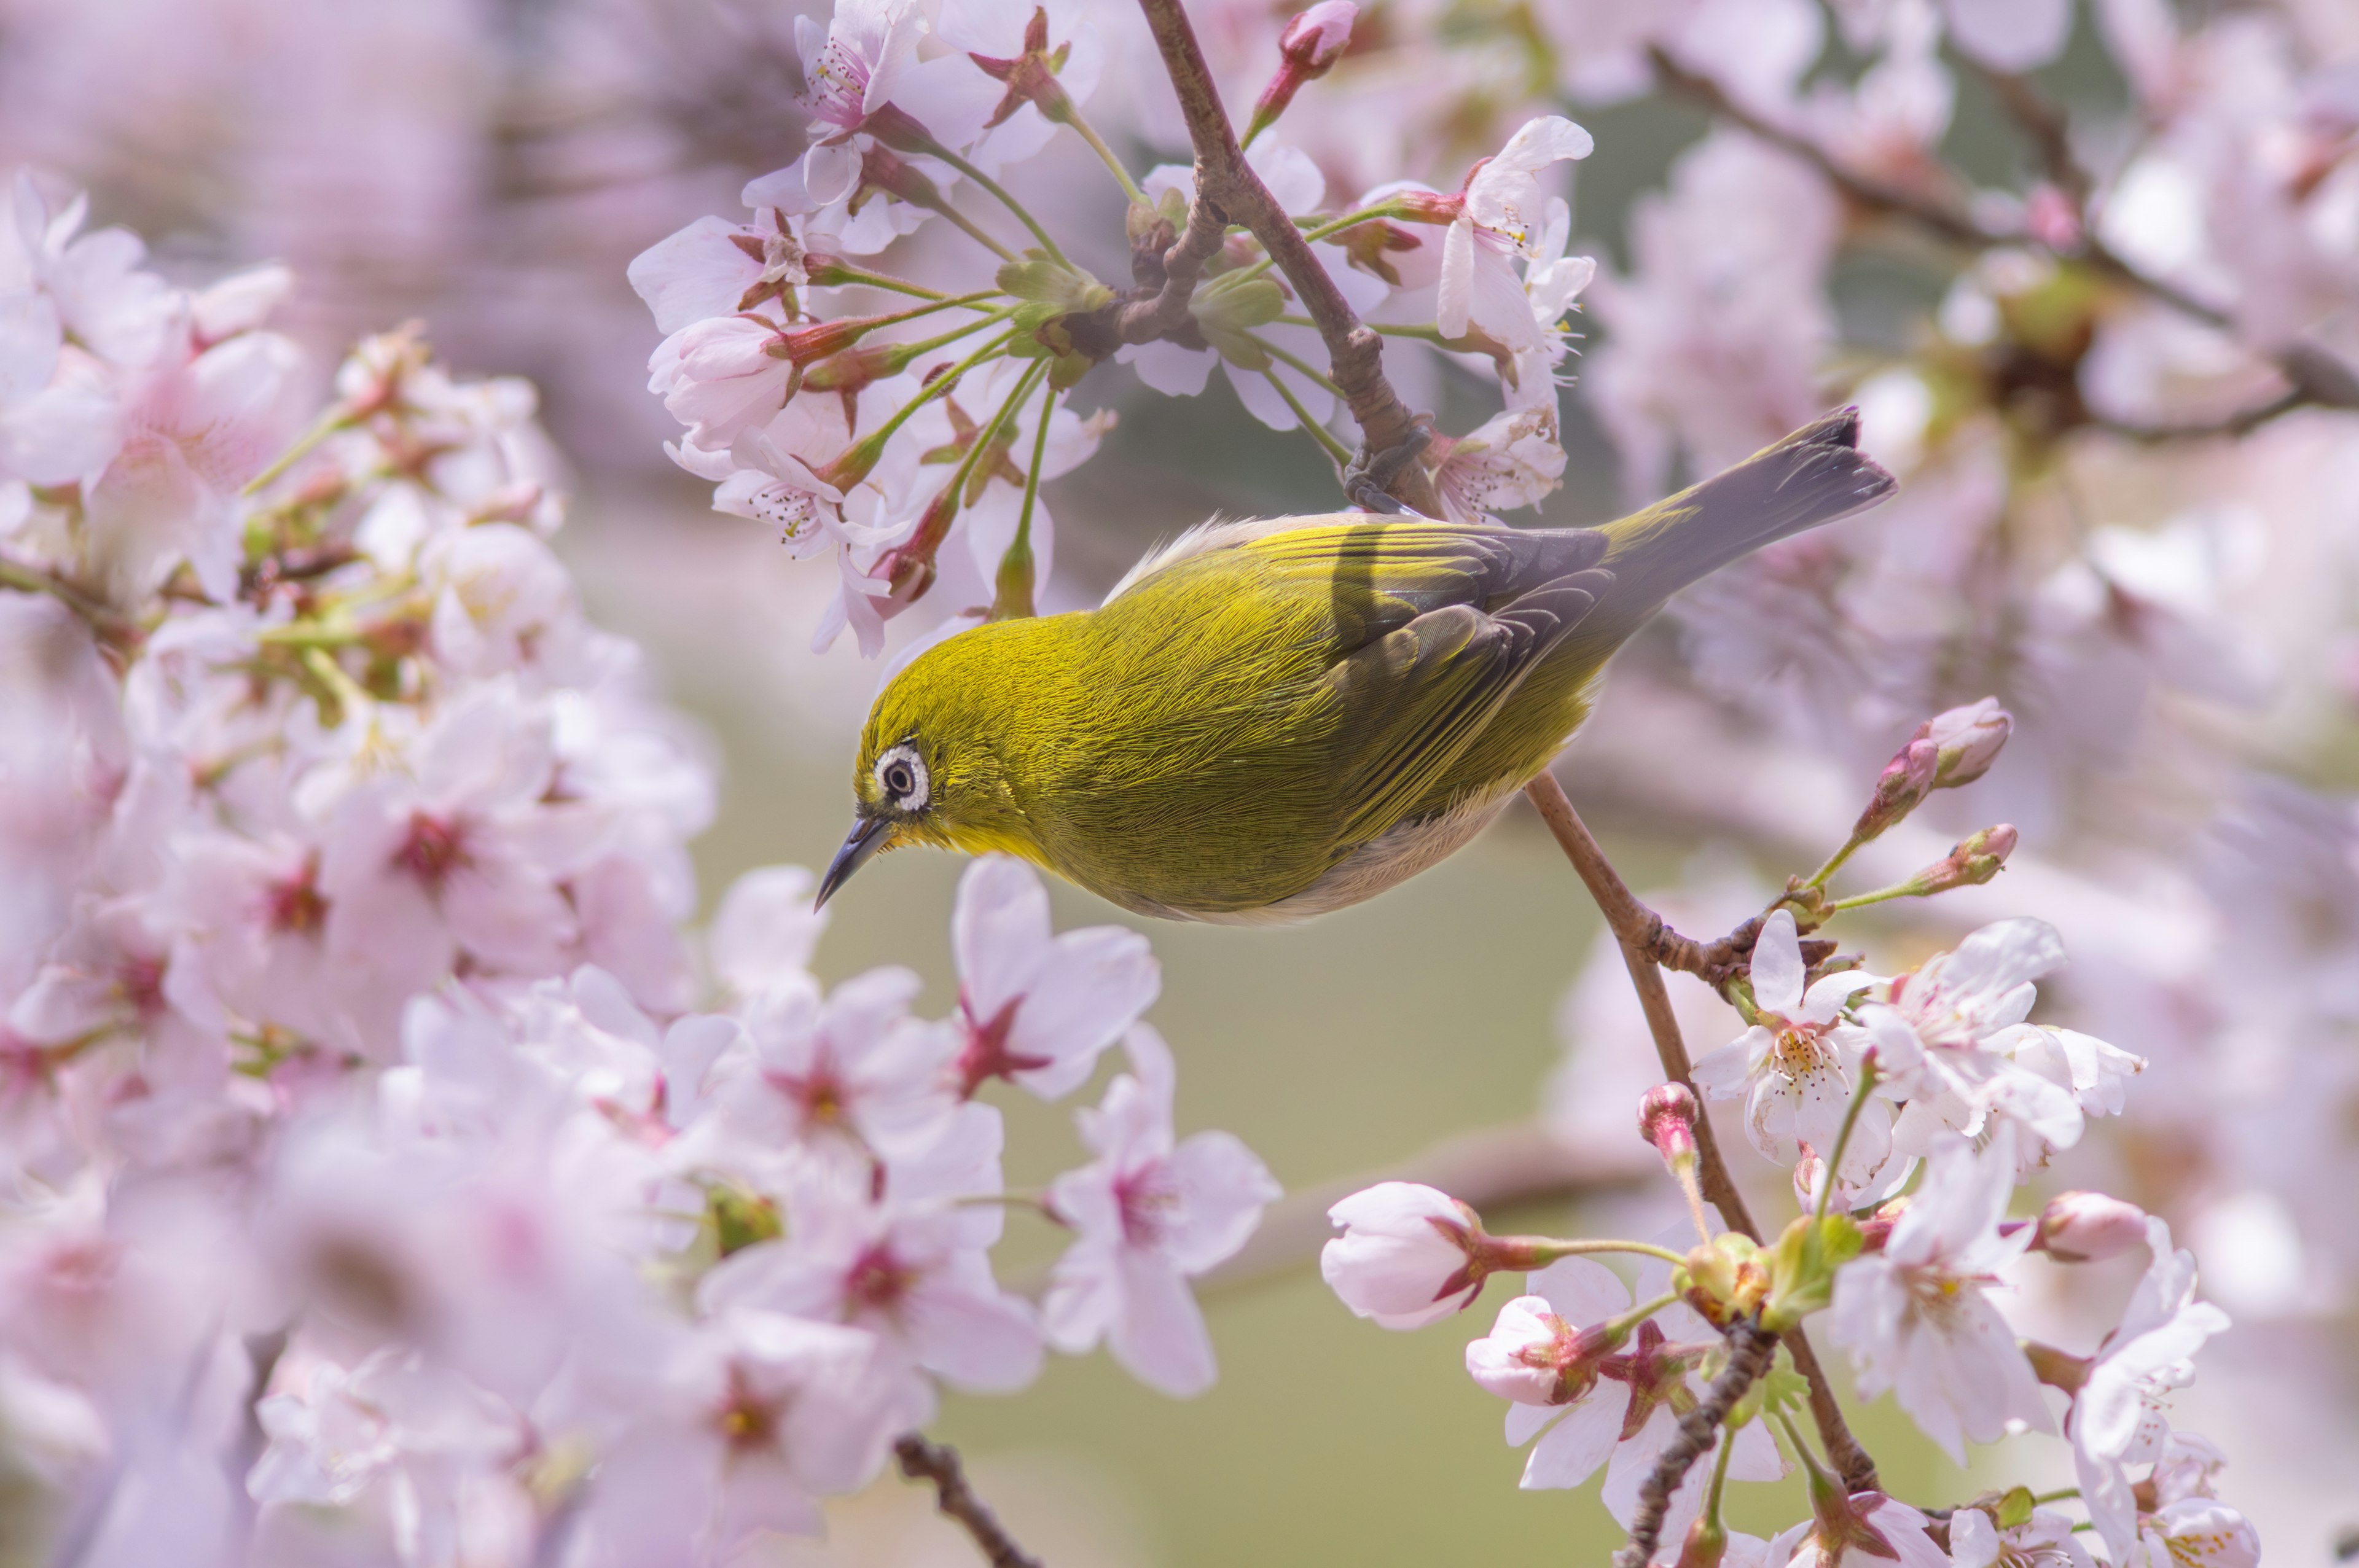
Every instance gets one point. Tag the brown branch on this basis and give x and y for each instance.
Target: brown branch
(939, 1463)
(1490, 1170)
(2237, 424)
(1750, 1346)
(1637, 929)
(1354, 349)
(1166, 310)
(1945, 220)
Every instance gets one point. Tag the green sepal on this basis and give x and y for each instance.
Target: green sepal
(1802, 1268)
(1227, 316)
(1051, 289)
(2015, 1507)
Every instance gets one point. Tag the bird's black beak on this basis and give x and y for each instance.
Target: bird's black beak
(868, 835)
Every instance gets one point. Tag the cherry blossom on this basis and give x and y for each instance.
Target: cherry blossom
(1795, 1067)
(1034, 1007)
(1866, 1528)
(910, 1273)
(1500, 214)
(2117, 1418)
(2043, 1540)
(1150, 1213)
(1918, 1317)
(1948, 1036)
(1597, 1399)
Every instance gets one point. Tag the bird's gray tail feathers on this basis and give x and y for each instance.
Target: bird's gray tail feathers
(1815, 475)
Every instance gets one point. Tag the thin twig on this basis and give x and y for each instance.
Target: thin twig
(1490, 1170)
(1947, 220)
(1356, 350)
(939, 1463)
(1750, 1346)
(1637, 929)
(2318, 376)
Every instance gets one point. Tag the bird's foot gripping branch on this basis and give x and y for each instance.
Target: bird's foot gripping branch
(1907, 1106)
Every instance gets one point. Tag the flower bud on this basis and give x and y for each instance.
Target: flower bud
(1410, 1255)
(2083, 1227)
(1810, 1178)
(1970, 863)
(1903, 786)
(1967, 739)
(1532, 1357)
(1309, 47)
(1666, 1119)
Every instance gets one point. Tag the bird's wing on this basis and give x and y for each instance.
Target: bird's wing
(1405, 568)
(1412, 701)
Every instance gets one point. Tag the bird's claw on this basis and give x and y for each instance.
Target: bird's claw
(1369, 481)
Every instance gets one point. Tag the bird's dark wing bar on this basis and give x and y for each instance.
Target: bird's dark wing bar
(1412, 701)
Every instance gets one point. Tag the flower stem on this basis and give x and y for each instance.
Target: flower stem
(904, 352)
(2061, 1495)
(1013, 599)
(110, 626)
(1639, 1315)
(328, 424)
(1550, 1250)
(849, 274)
(1295, 362)
(1007, 200)
(1318, 432)
(1309, 237)
(1881, 896)
(1867, 1076)
(1089, 133)
(1834, 863)
(859, 458)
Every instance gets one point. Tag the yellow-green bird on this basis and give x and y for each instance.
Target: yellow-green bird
(1268, 720)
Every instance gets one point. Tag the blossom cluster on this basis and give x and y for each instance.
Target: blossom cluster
(384, 1162)
(825, 397)
(1910, 1108)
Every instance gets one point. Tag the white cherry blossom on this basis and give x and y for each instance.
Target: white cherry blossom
(1796, 1066)
(1918, 1318)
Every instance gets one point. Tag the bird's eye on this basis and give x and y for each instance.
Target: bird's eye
(901, 774)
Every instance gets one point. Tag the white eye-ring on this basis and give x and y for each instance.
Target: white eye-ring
(901, 774)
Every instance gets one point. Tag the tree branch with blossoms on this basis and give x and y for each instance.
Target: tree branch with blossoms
(1902, 1225)
(1224, 178)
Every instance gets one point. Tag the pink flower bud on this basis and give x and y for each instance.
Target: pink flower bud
(1809, 1177)
(1666, 1119)
(1313, 41)
(1970, 863)
(2083, 1228)
(1969, 740)
(1903, 786)
(1410, 1255)
(1535, 1358)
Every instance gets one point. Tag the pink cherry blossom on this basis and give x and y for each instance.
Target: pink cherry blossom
(1037, 1008)
(908, 1272)
(1151, 1212)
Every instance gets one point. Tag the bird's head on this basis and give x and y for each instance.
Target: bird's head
(932, 768)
